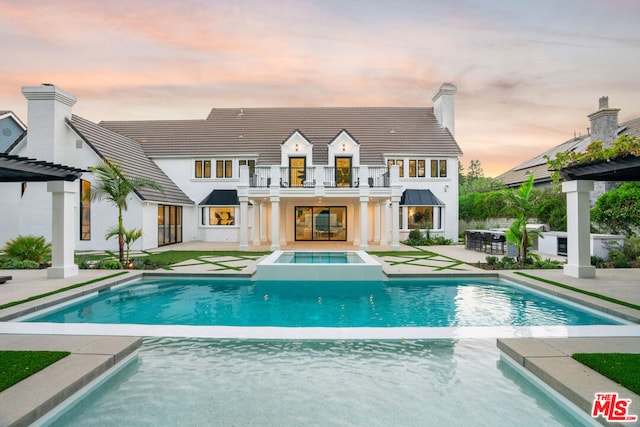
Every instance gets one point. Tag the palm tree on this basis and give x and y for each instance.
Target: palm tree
(129, 236)
(522, 200)
(114, 185)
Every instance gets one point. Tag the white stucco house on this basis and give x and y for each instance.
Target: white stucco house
(251, 176)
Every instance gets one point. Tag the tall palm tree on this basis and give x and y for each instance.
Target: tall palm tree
(114, 185)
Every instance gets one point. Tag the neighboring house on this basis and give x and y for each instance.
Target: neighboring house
(252, 176)
(11, 130)
(604, 127)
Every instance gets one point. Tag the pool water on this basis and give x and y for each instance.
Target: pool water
(339, 383)
(395, 303)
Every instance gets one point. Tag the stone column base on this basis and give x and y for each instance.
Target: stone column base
(62, 272)
(580, 271)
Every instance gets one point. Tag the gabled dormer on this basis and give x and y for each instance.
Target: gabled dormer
(11, 130)
(296, 145)
(344, 145)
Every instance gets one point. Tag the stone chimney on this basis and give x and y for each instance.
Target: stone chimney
(443, 106)
(604, 123)
(47, 109)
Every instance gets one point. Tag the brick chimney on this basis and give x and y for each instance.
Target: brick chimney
(443, 106)
(47, 109)
(604, 123)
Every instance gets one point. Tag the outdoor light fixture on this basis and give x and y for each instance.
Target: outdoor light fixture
(344, 147)
(297, 147)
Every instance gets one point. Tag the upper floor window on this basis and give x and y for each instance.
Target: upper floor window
(438, 168)
(416, 168)
(250, 163)
(224, 169)
(203, 168)
(399, 163)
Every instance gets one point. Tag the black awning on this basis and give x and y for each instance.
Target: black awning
(419, 198)
(22, 169)
(221, 198)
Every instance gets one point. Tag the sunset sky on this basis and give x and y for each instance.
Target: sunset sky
(528, 72)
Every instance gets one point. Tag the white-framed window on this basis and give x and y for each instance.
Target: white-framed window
(438, 168)
(219, 215)
(248, 162)
(399, 162)
(224, 168)
(203, 168)
(417, 168)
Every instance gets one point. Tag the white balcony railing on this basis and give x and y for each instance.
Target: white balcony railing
(328, 176)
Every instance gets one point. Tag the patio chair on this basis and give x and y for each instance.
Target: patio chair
(497, 243)
(486, 242)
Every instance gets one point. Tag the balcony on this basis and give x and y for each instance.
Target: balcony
(320, 176)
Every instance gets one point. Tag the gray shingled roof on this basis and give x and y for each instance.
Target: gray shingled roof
(129, 154)
(538, 164)
(262, 130)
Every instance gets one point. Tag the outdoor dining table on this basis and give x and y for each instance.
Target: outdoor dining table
(488, 241)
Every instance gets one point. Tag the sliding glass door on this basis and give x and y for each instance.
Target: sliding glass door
(321, 223)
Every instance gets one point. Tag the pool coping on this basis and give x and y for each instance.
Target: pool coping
(91, 356)
(549, 359)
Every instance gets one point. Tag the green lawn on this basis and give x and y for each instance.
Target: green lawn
(619, 367)
(18, 365)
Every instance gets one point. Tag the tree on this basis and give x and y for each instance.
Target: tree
(475, 170)
(619, 209)
(113, 185)
(129, 237)
(522, 201)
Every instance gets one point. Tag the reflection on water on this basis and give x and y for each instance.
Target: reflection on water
(275, 383)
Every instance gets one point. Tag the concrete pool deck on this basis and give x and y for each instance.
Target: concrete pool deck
(621, 284)
(91, 356)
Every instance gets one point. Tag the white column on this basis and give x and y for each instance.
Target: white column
(377, 225)
(395, 228)
(244, 223)
(275, 223)
(384, 223)
(364, 223)
(578, 229)
(64, 195)
(256, 224)
(263, 222)
(243, 197)
(436, 217)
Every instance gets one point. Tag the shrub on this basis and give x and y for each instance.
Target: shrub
(598, 262)
(492, 260)
(26, 264)
(508, 262)
(631, 248)
(619, 259)
(110, 264)
(33, 248)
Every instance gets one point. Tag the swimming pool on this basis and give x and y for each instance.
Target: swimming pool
(190, 381)
(443, 302)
